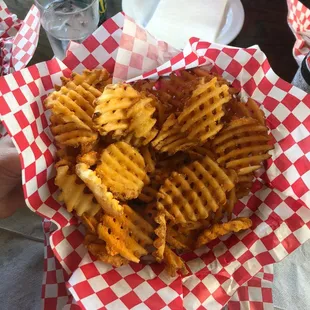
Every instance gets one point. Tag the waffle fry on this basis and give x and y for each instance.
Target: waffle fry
(180, 240)
(248, 109)
(194, 191)
(70, 134)
(170, 138)
(122, 170)
(90, 158)
(244, 185)
(110, 114)
(218, 230)
(154, 167)
(97, 248)
(142, 122)
(149, 158)
(105, 199)
(126, 235)
(122, 111)
(73, 101)
(242, 145)
(160, 242)
(202, 114)
(75, 195)
(90, 222)
(174, 263)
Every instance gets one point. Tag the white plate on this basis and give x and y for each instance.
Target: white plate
(233, 24)
(142, 10)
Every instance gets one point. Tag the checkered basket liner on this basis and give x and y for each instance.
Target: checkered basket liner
(299, 21)
(18, 41)
(277, 204)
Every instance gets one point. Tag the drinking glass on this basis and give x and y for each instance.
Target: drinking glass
(66, 20)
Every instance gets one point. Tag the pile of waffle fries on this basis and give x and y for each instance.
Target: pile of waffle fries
(155, 167)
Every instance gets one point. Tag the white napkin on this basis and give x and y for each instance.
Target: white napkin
(175, 21)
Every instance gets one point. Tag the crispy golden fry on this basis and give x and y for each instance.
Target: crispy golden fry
(170, 138)
(97, 248)
(244, 185)
(126, 235)
(160, 242)
(194, 191)
(75, 195)
(105, 199)
(111, 110)
(180, 240)
(149, 213)
(199, 152)
(174, 263)
(142, 122)
(90, 222)
(231, 199)
(187, 227)
(126, 113)
(149, 192)
(70, 134)
(250, 109)
(242, 145)
(100, 252)
(173, 91)
(218, 230)
(149, 158)
(202, 114)
(122, 170)
(208, 76)
(73, 101)
(90, 158)
(67, 157)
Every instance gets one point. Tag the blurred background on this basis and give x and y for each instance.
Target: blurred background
(265, 24)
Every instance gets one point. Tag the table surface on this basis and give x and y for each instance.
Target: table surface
(265, 24)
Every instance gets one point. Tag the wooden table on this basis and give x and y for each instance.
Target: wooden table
(265, 25)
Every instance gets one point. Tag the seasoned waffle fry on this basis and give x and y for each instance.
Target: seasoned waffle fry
(154, 167)
(203, 112)
(75, 195)
(126, 235)
(170, 138)
(149, 158)
(100, 252)
(90, 222)
(111, 110)
(142, 122)
(73, 101)
(105, 199)
(90, 158)
(199, 152)
(70, 134)
(122, 170)
(194, 191)
(244, 185)
(243, 145)
(187, 227)
(218, 230)
(126, 113)
(174, 263)
(160, 242)
(231, 199)
(180, 240)
(248, 109)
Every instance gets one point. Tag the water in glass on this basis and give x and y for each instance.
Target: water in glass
(69, 20)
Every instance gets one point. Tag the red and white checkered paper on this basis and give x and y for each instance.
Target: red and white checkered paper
(277, 204)
(299, 21)
(18, 41)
